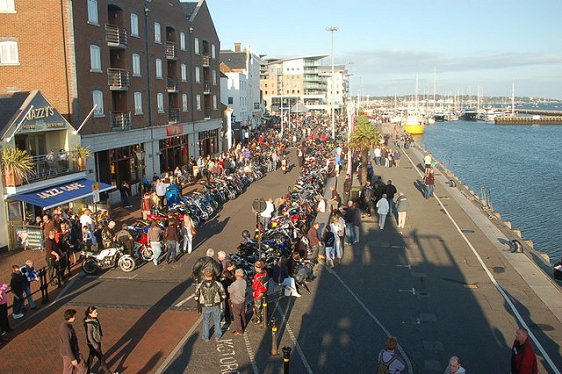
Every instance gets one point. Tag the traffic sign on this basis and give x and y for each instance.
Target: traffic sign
(96, 196)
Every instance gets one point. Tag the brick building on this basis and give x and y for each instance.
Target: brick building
(141, 76)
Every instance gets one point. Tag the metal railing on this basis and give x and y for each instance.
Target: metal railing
(171, 50)
(205, 61)
(115, 36)
(172, 84)
(207, 113)
(206, 87)
(173, 115)
(118, 79)
(486, 196)
(120, 120)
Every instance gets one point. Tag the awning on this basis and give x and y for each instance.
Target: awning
(61, 194)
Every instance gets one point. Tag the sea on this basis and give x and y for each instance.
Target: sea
(520, 166)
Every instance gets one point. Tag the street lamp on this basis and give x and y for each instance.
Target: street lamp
(332, 29)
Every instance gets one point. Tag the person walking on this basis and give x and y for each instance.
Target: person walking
(94, 334)
(72, 360)
(429, 182)
(382, 210)
(153, 236)
(390, 191)
(388, 360)
(237, 291)
(454, 366)
(402, 206)
(523, 357)
(209, 294)
(171, 235)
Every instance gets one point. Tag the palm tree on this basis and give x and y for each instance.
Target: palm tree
(364, 136)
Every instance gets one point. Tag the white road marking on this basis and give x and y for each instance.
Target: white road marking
(184, 300)
(293, 338)
(251, 354)
(493, 280)
(387, 333)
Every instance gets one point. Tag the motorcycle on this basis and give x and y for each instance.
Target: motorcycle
(107, 258)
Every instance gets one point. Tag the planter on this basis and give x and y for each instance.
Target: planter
(11, 179)
(81, 163)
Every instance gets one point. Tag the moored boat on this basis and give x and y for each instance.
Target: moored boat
(413, 125)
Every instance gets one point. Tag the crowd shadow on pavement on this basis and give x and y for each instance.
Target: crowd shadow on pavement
(184, 356)
(150, 365)
(121, 350)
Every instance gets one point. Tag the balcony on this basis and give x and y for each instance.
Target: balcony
(171, 51)
(173, 115)
(51, 165)
(115, 37)
(172, 84)
(207, 113)
(206, 87)
(118, 79)
(205, 60)
(120, 121)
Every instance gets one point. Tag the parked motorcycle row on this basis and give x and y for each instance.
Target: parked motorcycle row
(200, 206)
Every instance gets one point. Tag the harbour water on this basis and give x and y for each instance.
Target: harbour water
(520, 165)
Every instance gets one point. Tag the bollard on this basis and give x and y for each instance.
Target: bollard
(44, 286)
(286, 359)
(274, 345)
(264, 313)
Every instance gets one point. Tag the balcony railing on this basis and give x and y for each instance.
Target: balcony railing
(205, 60)
(120, 120)
(51, 165)
(173, 115)
(206, 87)
(118, 79)
(115, 36)
(171, 51)
(207, 113)
(172, 84)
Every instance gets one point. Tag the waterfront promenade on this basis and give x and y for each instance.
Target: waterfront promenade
(425, 285)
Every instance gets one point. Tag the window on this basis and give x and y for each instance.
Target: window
(159, 69)
(138, 102)
(213, 51)
(196, 45)
(214, 77)
(157, 33)
(136, 65)
(97, 97)
(183, 72)
(9, 53)
(7, 6)
(197, 74)
(134, 25)
(160, 102)
(95, 59)
(184, 102)
(230, 100)
(215, 102)
(93, 12)
(198, 102)
(182, 41)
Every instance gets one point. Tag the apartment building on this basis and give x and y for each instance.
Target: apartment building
(241, 91)
(336, 86)
(138, 81)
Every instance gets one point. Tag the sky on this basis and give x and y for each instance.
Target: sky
(471, 45)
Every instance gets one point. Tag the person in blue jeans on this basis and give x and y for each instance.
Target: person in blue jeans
(17, 285)
(209, 295)
(429, 182)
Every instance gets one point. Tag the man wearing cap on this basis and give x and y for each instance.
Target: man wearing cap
(237, 291)
(209, 294)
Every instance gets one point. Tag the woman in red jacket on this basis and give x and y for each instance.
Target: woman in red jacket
(523, 358)
(259, 290)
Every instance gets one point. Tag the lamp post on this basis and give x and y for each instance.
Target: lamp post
(147, 54)
(332, 29)
(228, 111)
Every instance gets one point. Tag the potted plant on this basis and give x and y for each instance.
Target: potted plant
(16, 165)
(82, 153)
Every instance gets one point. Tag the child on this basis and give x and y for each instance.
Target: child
(87, 238)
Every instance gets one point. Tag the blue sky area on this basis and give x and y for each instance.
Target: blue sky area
(471, 43)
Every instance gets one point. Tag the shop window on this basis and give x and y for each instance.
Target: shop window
(93, 12)
(134, 25)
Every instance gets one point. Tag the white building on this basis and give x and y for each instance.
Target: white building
(336, 87)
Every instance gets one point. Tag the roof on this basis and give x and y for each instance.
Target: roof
(10, 107)
(234, 60)
(309, 57)
(189, 9)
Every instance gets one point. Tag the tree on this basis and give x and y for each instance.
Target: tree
(364, 136)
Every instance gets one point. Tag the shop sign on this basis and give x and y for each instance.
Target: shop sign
(30, 238)
(42, 117)
(174, 130)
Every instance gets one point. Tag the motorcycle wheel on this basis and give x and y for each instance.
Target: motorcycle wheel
(127, 263)
(90, 266)
(147, 254)
(204, 215)
(231, 195)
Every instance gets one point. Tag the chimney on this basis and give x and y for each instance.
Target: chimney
(237, 47)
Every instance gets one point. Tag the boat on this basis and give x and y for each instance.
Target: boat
(413, 125)
(469, 115)
(439, 117)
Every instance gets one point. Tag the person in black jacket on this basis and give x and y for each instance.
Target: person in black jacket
(390, 191)
(94, 334)
(206, 262)
(17, 284)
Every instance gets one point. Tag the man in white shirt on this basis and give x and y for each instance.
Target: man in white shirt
(266, 214)
(86, 219)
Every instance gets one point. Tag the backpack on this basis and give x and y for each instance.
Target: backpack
(384, 367)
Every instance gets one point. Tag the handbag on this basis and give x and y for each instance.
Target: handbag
(193, 231)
